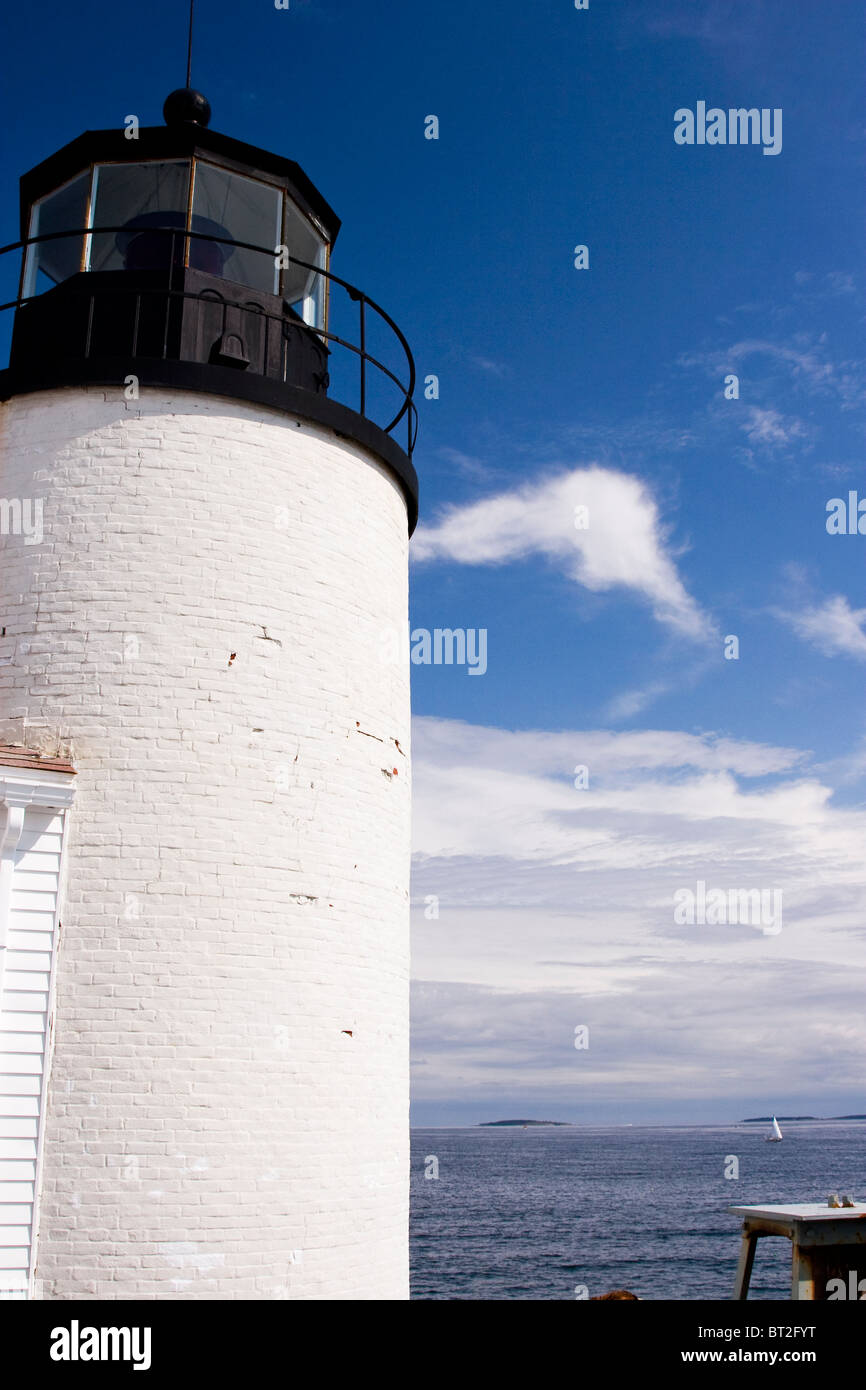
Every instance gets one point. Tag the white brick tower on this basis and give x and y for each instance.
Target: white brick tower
(215, 1074)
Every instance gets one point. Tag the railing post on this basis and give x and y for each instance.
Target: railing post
(167, 320)
(89, 336)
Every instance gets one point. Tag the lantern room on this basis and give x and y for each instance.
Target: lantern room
(180, 245)
(179, 257)
(180, 198)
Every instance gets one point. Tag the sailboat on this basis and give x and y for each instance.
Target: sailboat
(775, 1135)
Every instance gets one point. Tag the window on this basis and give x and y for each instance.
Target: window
(138, 198)
(147, 202)
(52, 261)
(304, 289)
(243, 209)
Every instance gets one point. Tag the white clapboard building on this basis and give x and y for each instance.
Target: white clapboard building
(35, 794)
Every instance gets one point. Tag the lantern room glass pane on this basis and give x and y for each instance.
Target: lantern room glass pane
(304, 289)
(243, 210)
(140, 199)
(52, 261)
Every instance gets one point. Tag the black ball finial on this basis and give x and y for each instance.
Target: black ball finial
(186, 107)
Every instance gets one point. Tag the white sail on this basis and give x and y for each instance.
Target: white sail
(777, 1133)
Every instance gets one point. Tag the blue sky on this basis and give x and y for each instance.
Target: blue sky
(707, 516)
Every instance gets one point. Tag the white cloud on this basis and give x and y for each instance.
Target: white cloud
(834, 627)
(806, 364)
(840, 282)
(546, 753)
(469, 465)
(556, 908)
(770, 427)
(828, 286)
(490, 365)
(632, 702)
(624, 545)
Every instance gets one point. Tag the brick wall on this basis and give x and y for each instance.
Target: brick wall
(200, 628)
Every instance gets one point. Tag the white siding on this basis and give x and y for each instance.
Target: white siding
(25, 986)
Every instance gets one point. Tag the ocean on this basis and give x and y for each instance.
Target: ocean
(541, 1213)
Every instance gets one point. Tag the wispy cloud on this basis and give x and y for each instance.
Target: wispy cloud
(612, 753)
(829, 285)
(467, 465)
(735, 35)
(770, 427)
(622, 545)
(488, 365)
(833, 627)
(633, 702)
(718, 25)
(807, 364)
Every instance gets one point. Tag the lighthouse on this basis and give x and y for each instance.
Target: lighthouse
(208, 492)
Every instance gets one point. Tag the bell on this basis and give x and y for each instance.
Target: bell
(229, 351)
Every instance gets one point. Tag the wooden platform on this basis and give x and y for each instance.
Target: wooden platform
(828, 1243)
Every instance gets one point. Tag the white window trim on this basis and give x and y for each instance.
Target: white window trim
(19, 788)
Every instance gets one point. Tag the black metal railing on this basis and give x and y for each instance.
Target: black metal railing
(78, 286)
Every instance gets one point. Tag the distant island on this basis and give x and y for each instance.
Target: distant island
(822, 1119)
(492, 1124)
